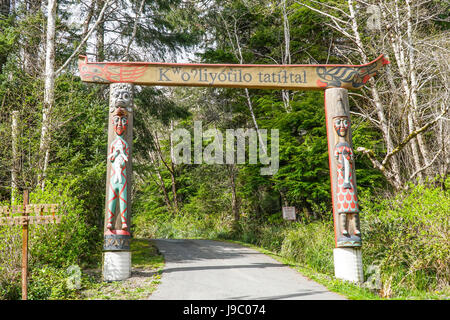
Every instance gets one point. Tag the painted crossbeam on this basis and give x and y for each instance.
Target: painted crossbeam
(293, 77)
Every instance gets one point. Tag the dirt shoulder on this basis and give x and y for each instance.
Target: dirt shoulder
(147, 263)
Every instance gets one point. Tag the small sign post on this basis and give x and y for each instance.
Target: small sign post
(289, 213)
(8, 216)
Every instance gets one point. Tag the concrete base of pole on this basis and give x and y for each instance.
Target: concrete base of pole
(348, 264)
(116, 265)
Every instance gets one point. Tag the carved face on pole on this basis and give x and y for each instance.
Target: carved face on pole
(341, 125)
(121, 96)
(120, 121)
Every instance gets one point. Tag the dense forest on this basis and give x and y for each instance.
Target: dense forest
(53, 132)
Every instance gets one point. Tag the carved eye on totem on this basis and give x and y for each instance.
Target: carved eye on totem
(123, 95)
(341, 122)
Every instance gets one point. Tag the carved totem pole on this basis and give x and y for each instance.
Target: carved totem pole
(347, 254)
(117, 259)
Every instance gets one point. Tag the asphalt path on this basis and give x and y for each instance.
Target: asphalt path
(214, 270)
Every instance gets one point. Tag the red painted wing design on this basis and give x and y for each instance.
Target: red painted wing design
(123, 73)
(105, 73)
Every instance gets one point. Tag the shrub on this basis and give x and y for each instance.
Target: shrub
(49, 283)
(407, 236)
(72, 241)
(52, 247)
(271, 237)
(10, 261)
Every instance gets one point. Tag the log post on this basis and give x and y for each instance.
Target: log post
(117, 237)
(347, 252)
(15, 155)
(25, 248)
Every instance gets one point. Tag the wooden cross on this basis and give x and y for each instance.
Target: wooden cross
(8, 216)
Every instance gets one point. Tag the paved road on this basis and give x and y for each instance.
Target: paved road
(213, 270)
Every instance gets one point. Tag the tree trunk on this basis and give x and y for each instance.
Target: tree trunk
(31, 52)
(86, 23)
(4, 13)
(172, 170)
(169, 168)
(49, 91)
(287, 54)
(133, 34)
(284, 202)
(161, 184)
(413, 80)
(4, 8)
(237, 50)
(235, 201)
(15, 155)
(100, 44)
(86, 32)
(395, 170)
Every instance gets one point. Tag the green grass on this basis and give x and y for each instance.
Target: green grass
(144, 254)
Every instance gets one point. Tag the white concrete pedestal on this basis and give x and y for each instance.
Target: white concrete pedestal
(116, 265)
(348, 264)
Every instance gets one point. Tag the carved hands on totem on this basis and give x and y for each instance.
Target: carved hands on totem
(118, 182)
(118, 179)
(119, 159)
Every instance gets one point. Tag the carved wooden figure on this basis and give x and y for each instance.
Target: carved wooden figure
(342, 169)
(119, 170)
(346, 198)
(118, 179)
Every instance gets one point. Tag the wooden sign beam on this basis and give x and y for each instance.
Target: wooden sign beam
(8, 214)
(293, 77)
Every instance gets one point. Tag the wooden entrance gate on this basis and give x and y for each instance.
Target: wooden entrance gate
(335, 80)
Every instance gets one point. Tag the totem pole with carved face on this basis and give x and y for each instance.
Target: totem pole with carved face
(117, 211)
(346, 197)
(342, 170)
